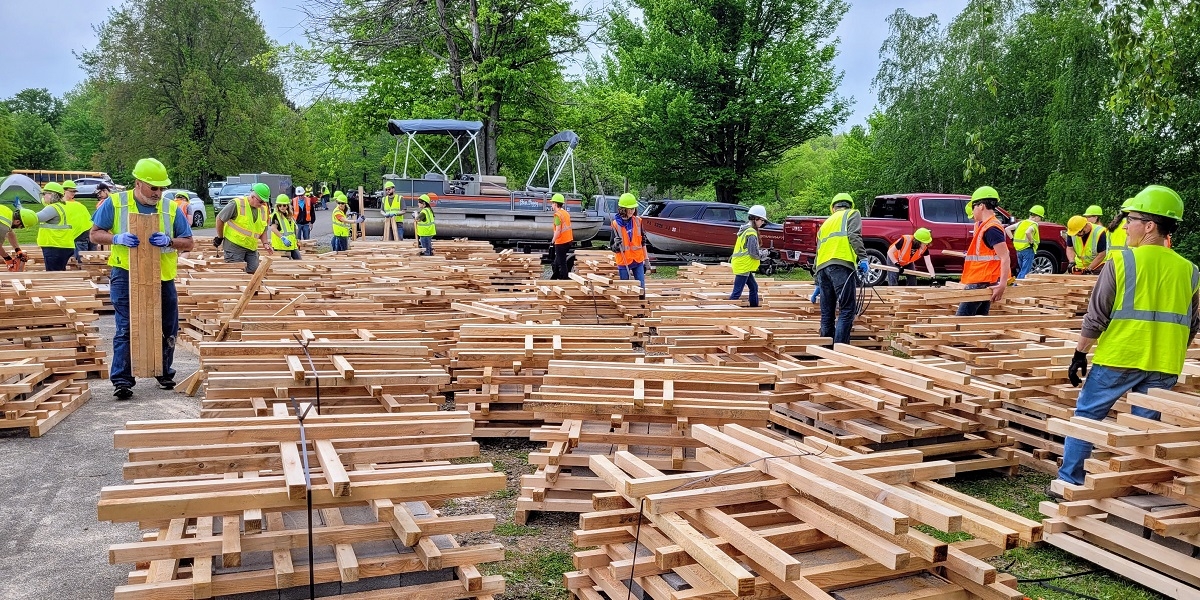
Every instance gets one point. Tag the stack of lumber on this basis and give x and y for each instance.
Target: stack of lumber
(646, 408)
(1138, 510)
(681, 331)
(593, 300)
(223, 503)
(49, 347)
(772, 519)
(595, 262)
(871, 401)
(245, 379)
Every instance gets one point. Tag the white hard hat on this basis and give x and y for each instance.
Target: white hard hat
(759, 211)
(300, 190)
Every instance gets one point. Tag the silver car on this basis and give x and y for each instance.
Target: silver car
(195, 211)
(85, 187)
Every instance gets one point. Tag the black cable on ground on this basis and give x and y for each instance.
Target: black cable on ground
(312, 567)
(1040, 581)
(311, 365)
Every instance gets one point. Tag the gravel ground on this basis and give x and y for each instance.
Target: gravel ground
(51, 543)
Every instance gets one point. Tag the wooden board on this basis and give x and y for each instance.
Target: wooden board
(145, 298)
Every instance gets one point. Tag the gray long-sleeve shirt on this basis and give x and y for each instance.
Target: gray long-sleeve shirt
(752, 247)
(854, 234)
(1104, 295)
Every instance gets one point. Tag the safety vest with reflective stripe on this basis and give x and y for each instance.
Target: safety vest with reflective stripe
(833, 241)
(78, 217)
(287, 227)
(392, 206)
(6, 215)
(426, 228)
(1152, 311)
(742, 261)
(119, 255)
(632, 248)
(250, 223)
(563, 234)
(1085, 251)
(57, 235)
(302, 207)
(901, 252)
(1118, 240)
(1022, 231)
(982, 264)
(341, 225)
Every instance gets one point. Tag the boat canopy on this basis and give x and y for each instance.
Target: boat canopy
(561, 137)
(553, 172)
(434, 126)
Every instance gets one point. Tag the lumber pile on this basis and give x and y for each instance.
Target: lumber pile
(682, 331)
(238, 524)
(595, 262)
(772, 519)
(49, 347)
(649, 409)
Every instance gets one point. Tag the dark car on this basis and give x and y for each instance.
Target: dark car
(695, 228)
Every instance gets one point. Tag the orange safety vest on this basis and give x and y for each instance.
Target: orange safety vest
(306, 203)
(632, 250)
(982, 264)
(904, 255)
(183, 208)
(563, 234)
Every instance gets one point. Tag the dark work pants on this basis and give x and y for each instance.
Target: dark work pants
(839, 301)
(559, 269)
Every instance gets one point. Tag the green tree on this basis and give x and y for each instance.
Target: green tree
(728, 86)
(8, 141)
(37, 145)
(82, 126)
(37, 101)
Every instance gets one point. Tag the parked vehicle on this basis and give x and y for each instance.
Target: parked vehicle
(901, 214)
(228, 193)
(606, 208)
(85, 187)
(214, 188)
(279, 184)
(698, 230)
(195, 211)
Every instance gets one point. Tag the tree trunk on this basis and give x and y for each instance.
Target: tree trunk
(491, 159)
(455, 65)
(727, 191)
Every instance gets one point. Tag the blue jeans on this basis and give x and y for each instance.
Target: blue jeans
(1024, 262)
(426, 245)
(82, 244)
(637, 269)
(56, 258)
(1101, 390)
(303, 230)
(121, 373)
(971, 309)
(838, 295)
(741, 282)
(340, 243)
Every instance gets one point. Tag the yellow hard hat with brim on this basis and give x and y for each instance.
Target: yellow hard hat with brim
(1076, 224)
(923, 235)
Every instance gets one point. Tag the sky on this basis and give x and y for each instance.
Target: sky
(42, 37)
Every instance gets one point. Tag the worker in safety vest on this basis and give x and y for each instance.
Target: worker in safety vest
(1087, 245)
(1117, 234)
(562, 238)
(342, 222)
(242, 228)
(839, 249)
(425, 226)
(1142, 316)
(392, 206)
(987, 264)
(111, 226)
(283, 228)
(1093, 214)
(181, 200)
(1027, 237)
(80, 219)
(56, 236)
(627, 241)
(9, 223)
(906, 251)
(302, 209)
(747, 255)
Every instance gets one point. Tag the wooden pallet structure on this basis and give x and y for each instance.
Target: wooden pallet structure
(223, 506)
(49, 347)
(773, 519)
(682, 331)
(872, 401)
(646, 408)
(1138, 510)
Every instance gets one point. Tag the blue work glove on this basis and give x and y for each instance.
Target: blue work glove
(815, 295)
(126, 239)
(863, 266)
(160, 240)
(362, 219)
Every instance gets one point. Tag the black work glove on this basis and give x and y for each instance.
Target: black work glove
(899, 270)
(217, 241)
(1078, 368)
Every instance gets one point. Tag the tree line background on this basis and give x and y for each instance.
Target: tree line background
(1063, 103)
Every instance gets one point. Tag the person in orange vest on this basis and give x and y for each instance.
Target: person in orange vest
(564, 236)
(627, 242)
(181, 200)
(302, 208)
(905, 253)
(987, 264)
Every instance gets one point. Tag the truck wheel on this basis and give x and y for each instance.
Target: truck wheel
(876, 276)
(1044, 263)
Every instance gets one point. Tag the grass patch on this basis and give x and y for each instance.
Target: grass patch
(664, 273)
(512, 529)
(503, 494)
(949, 538)
(1048, 561)
(792, 275)
(1020, 494)
(535, 575)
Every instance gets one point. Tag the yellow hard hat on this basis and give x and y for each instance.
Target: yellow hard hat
(1076, 224)
(1094, 211)
(557, 199)
(923, 235)
(152, 172)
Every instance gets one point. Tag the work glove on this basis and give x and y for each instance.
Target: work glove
(864, 266)
(126, 239)
(1078, 368)
(159, 239)
(217, 241)
(21, 256)
(899, 270)
(816, 295)
(362, 219)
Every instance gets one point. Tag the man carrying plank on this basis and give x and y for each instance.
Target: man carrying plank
(904, 254)
(110, 225)
(1142, 316)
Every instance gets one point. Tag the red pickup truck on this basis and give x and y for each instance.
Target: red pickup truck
(943, 214)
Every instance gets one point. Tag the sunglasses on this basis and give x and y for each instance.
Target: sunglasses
(155, 188)
(1133, 218)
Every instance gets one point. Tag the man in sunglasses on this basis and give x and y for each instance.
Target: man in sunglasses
(110, 225)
